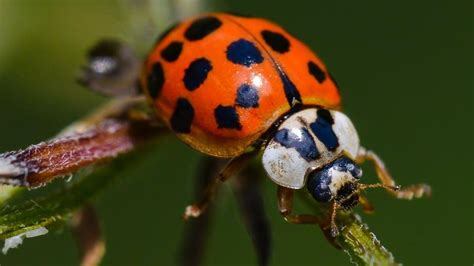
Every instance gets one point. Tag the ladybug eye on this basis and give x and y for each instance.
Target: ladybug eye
(317, 183)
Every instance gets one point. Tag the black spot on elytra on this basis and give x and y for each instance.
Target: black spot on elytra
(244, 52)
(316, 72)
(322, 128)
(303, 144)
(247, 96)
(196, 73)
(156, 79)
(292, 95)
(276, 41)
(182, 117)
(202, 27)
(172, 51)
(166, 33)
(227, 117)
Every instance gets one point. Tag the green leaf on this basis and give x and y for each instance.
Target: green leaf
(58, 206)
(8, 192)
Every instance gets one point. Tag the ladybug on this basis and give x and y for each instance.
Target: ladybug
(244, 88)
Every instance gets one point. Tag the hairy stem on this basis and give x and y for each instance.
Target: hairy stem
(354, 238)
(361, 244)
(59, 206)
(87, 142)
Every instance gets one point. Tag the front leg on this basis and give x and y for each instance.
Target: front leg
(408, 192)
(327, 225)
(193, 245)
(285, 206)
(230, 169)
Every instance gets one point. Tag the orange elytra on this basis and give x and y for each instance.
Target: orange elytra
(220, 81)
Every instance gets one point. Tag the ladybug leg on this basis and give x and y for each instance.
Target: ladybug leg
(247, 191)
(409, 192)
(197, 231)
(285, 206)
(112, 69)
(327, 225)
(367, 207)
(230, 169)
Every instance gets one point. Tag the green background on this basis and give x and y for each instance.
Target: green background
(405, 71)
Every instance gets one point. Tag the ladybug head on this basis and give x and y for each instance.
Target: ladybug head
(337, 181)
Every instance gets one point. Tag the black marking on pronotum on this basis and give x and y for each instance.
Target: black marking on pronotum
(227, 117)
(247, 96)
(303, 144)
(244, 52)
(322, 128)
(292, 95)
(156, 79)
(196, 73)
(166, 33)
(316, 72)
(324, 113)
(172, 52)
(202, 27)
(276, 41)
(182, 117)
(270, 133)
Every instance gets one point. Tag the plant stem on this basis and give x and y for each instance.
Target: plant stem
(361, 244)
(58, 206)
(354, 238)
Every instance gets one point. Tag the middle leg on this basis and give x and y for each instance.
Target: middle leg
(230, 169)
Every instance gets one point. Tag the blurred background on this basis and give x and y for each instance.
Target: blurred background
(405, 69)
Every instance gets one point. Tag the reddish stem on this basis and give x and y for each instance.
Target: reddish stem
(40, 163)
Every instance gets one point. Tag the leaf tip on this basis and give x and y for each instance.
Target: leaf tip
(15, 241)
